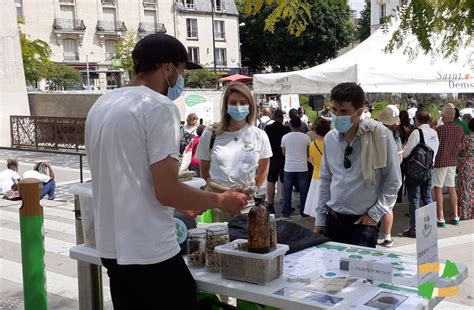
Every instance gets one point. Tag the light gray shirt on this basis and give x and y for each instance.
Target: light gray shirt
(344, 190)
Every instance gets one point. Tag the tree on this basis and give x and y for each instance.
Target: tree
(35, 54)
(61, 77)
(329, 30)
(202, 78)
(439, 26)
(363, 30)
(124, 50)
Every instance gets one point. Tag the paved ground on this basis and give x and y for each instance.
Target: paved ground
(456, 242)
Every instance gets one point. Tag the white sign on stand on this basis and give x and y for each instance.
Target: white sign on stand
(289, 102)
(426, 240)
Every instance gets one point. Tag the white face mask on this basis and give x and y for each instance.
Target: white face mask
(175, 91)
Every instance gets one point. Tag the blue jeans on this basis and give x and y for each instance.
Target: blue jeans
(291, 179)
(415, 191)
(48, 188)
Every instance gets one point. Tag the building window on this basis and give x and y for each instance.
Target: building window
(403, 2)
(383, 10)
(109, 14)
(221, 57)
(189, 4)
(19, 8)
(219, 5)
(219, 31)
(70, 49)
(193, 54)
(150, 18)
(110, 49)
(192, 28)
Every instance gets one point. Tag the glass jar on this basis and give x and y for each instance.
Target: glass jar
(215, 235)
(258, 228)
(273, 232)
(196, 247)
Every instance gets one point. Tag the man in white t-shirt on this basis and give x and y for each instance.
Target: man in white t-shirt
(132, 148)
(412, 111)
(265, 119)
(304, 117)
(295, 147)
(273, 104)
(9, 176)
(43, 172)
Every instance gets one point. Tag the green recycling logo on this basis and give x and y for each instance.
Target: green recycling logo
(448, 270)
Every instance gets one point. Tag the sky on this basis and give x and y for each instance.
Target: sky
(357, 5)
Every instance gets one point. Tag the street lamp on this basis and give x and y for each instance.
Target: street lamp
(213, 34)
(242, 24)
(87, 70)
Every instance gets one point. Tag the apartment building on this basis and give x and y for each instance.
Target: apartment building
(380, 9)
(84, 33)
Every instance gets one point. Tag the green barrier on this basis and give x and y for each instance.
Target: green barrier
(32, 246)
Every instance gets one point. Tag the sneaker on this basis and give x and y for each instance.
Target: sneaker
(441, 223)
(387, 243)
(410, 233)
(303, 215)
(454, 221)
(51, 198)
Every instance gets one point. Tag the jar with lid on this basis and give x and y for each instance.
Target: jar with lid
(215, 235)
(273, 232)
(196, 247)
(258, 228)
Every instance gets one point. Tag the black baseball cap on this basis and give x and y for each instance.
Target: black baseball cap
(159, 48)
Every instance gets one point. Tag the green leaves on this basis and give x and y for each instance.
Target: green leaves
(124, 50)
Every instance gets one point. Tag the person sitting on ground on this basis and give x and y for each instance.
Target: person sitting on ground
(9, 177)
(43, 172)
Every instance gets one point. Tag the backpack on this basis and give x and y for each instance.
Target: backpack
(185, 140)
(420, 161)
(262, 125)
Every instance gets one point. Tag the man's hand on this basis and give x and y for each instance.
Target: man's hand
(320, 230)
(366, 220)
(233, 201)
(192, 213)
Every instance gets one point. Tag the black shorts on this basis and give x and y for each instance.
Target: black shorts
(277, 168)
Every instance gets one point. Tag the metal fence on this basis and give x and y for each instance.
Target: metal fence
(40, 132)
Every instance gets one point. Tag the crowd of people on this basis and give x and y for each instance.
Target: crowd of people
(296, 151)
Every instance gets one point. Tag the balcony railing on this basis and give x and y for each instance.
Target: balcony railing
(68, 56)
(107, 26)
(66, 1)
(151, 28)
(108, 2)
(150, 1)
(69, 24)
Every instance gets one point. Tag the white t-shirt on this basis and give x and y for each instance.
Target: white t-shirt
(304, 119)
(265, 120)
(7, 179)
(273, 104)
(296, 151)
(235, 162)
(128, 130)
(411, 114)
(365, 115)
(36, 175)
(430, 136)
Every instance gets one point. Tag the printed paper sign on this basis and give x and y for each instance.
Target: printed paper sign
(371, 270)
(203, 106)
(426, 241)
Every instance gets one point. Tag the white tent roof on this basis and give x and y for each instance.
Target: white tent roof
(377, 72)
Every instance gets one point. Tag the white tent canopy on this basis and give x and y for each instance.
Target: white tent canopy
(377, 72)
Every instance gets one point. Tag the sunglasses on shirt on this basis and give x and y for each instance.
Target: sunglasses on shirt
(347, 152)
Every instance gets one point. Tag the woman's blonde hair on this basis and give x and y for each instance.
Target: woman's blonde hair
(244, 90)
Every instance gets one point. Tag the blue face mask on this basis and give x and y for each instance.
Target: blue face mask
(342, 123)
(175, 91)
(238, 112)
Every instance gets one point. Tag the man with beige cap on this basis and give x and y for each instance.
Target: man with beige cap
(450, 136)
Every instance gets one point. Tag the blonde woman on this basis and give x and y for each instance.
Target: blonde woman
(234, 152)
